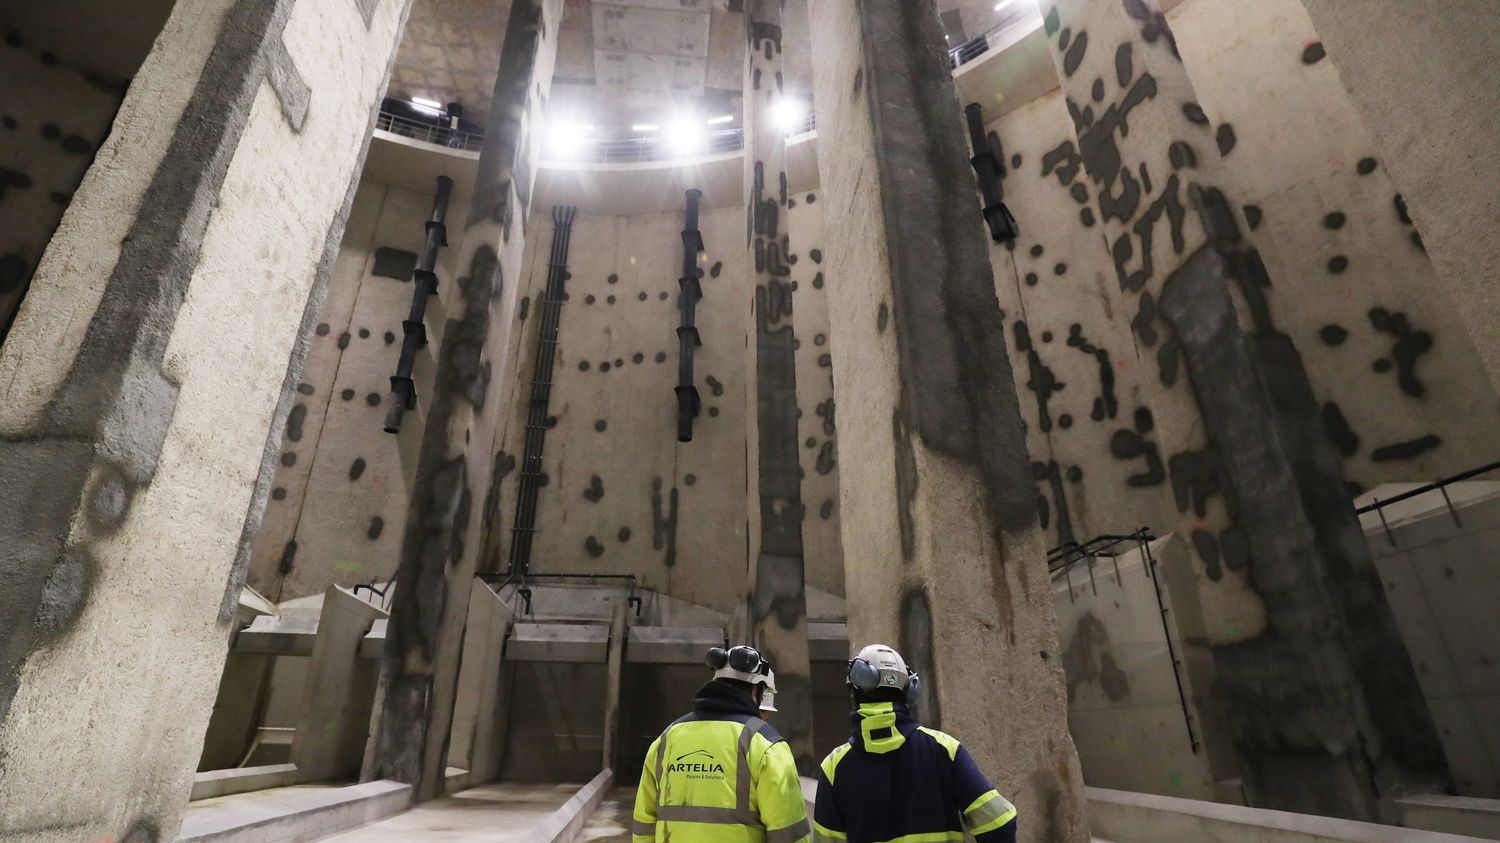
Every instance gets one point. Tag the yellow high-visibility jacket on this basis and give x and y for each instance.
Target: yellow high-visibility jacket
(719, 777)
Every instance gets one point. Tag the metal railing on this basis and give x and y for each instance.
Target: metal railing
(1020, 13)
(587, 151)
(435, 135)
(1440, 485)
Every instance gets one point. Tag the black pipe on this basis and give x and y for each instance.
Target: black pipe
(531, 476)
(989, 170)
(688, 402)
(414, 332)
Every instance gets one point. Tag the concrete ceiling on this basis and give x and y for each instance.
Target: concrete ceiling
(450, 52)
(105, 37)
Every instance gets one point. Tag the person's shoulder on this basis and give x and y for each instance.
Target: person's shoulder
(831, 760)
(943, 739)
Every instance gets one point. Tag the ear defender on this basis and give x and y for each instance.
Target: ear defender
(913, 687)
(717, 658)
(863, 675)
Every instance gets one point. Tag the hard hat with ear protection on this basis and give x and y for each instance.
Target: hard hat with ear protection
(744, 663)
(878, 666)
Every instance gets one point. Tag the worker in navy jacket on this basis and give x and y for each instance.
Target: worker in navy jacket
(898, 780)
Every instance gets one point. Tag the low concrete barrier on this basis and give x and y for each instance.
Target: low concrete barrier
(568, 820)
(212, 783)
(1146, 818)
(1452, 814)
(293, 813)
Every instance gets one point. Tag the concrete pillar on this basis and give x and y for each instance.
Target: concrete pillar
(335, 712)
(778, 594)
(1323, 700)
(1423, 77)
(613, 687)
(476, 737)
(446, 524)
(145, 383)
(943, 551)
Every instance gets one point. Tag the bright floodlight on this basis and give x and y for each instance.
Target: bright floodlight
(684, 136)
(427, 105)
(722, 118)
(644, 127)
(566, 140)
(787, 112)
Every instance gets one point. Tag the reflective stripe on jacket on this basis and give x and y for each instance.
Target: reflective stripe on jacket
(720, 774)
(897, 781)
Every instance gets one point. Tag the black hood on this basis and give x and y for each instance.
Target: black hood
(721, 698)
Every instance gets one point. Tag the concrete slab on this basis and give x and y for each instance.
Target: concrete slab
(1144, 818)
(496, 813)
(301, 812)
(672, 644)
(558, 642)
(212, 783)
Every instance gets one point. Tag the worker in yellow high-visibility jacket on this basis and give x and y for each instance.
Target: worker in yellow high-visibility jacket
(721, 774)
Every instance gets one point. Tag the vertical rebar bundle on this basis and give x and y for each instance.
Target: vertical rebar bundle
(989, 169)
(531, 475)
(413, 330)
(688, 402)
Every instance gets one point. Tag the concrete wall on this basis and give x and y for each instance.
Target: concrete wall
(53, 119)
(1442, 575)
(141, 381)
(1125, 712)
(1410, 72)
(1390, 362)
(623, 496)
(338, 501)
(822, 548)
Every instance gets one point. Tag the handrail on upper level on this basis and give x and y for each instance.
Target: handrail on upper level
(657, 148)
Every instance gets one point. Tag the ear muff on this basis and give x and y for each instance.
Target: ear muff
(913, 687)
(717, 658)
(863, 675)
(746, 660)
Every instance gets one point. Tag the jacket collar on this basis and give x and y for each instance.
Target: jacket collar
(716, 699)
(882, 727)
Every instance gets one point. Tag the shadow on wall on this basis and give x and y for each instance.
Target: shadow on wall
(55, 115)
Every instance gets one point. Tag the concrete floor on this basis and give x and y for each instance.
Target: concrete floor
(494, 813)
(611, 822)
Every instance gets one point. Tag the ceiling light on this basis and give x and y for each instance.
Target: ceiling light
(644, 127)
(787, 112)
(685, 136)
(1002, 4)
(722, 118)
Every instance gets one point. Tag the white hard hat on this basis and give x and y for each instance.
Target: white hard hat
(768, 697)
(878, 666)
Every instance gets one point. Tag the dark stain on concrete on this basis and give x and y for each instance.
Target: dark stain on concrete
(377, 526)
(917, 645)
(1406, 450)
(595, 492)
(664, 522)
(1088, 659)
(356, 469)
(592, 546)
(1410, 345)
(1339, 432)
(1313, 53)
(394, 263)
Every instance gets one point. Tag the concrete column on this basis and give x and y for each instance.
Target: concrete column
(1423, 77)
(144, 388)
(1324, 702)
(613, 687)
(456, 473)
(335, 711)
(778, 595)
(943, 551)
(476, 738)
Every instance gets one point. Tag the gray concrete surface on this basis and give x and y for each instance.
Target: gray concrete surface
(1410, 68)
(944, 556)
(161, 336)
